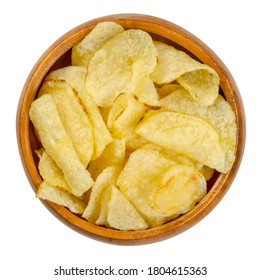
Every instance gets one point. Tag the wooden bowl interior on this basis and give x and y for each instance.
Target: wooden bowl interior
(59, 54)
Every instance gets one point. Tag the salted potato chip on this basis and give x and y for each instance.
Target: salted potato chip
(148, 178)
(206, 171)
(220, 115)
(114, 154)
(58, 144)
(142, 85)
(123, 117)
(73, 117)
(110, 69)
(60, 197)
(139, 179)
(50, 172)
(185, 134)
(122, 214)
(200, 80)
(75, 76)
(84, 50)
(179, 189)
(107, 177)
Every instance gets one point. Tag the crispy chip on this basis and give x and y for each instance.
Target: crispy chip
(84, 50)
(123, 117)
(148, 178)
(122, 214)
(110, 69)
(58, 144)
(220, 115)
(201, 81)
(107, 177)
(185, 134)
(61, 197)
(50, 172)
(74, 118)
(114, 154)
(75, 76)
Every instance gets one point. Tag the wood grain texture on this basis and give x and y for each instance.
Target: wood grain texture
(58, 55)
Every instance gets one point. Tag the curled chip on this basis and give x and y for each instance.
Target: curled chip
(74, 118)
(107, 177)
(185, 134)
(114, 154)
(123, 117)
(157, 186)
(84, 50)
(200, 80)
(50, 171)
(110, 69)
(58, 144)
(220, 115)
(75, 76)
(61, 197)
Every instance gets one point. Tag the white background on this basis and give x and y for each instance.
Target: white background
(33, 242)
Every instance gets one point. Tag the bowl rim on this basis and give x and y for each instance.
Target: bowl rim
(157, 26)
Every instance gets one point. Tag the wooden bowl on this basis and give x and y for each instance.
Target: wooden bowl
(58, 55)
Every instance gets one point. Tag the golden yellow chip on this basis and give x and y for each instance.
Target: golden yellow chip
(74, 118)
(220, 115)
(122, 214)
(54, 138)
(110, 69)
(148, 179)
(75, 76)
(185, 134)
(50, 172)
(123, 117)
(107, 177)
(114, 154)
(61, 197)
(84, 50)
(201, 81)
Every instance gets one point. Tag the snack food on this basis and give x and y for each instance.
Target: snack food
(130, 122)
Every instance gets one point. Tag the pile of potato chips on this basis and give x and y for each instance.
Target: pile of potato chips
(131, 131)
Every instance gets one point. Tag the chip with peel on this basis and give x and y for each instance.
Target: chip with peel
(61, 197)
(200, 80)
(58, 144)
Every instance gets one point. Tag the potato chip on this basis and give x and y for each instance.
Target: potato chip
(73, 117)
(84, 50)
(179, 189)
(107, 177)
(142, 85)
(110, 69)
(75, 76)
(123, 117)
(220, 115)
(54, 138)
(122, 214)
(61, 197)
(114, 154)
(50, 172)
(185, 134)
(148, 178)
(200, 80)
